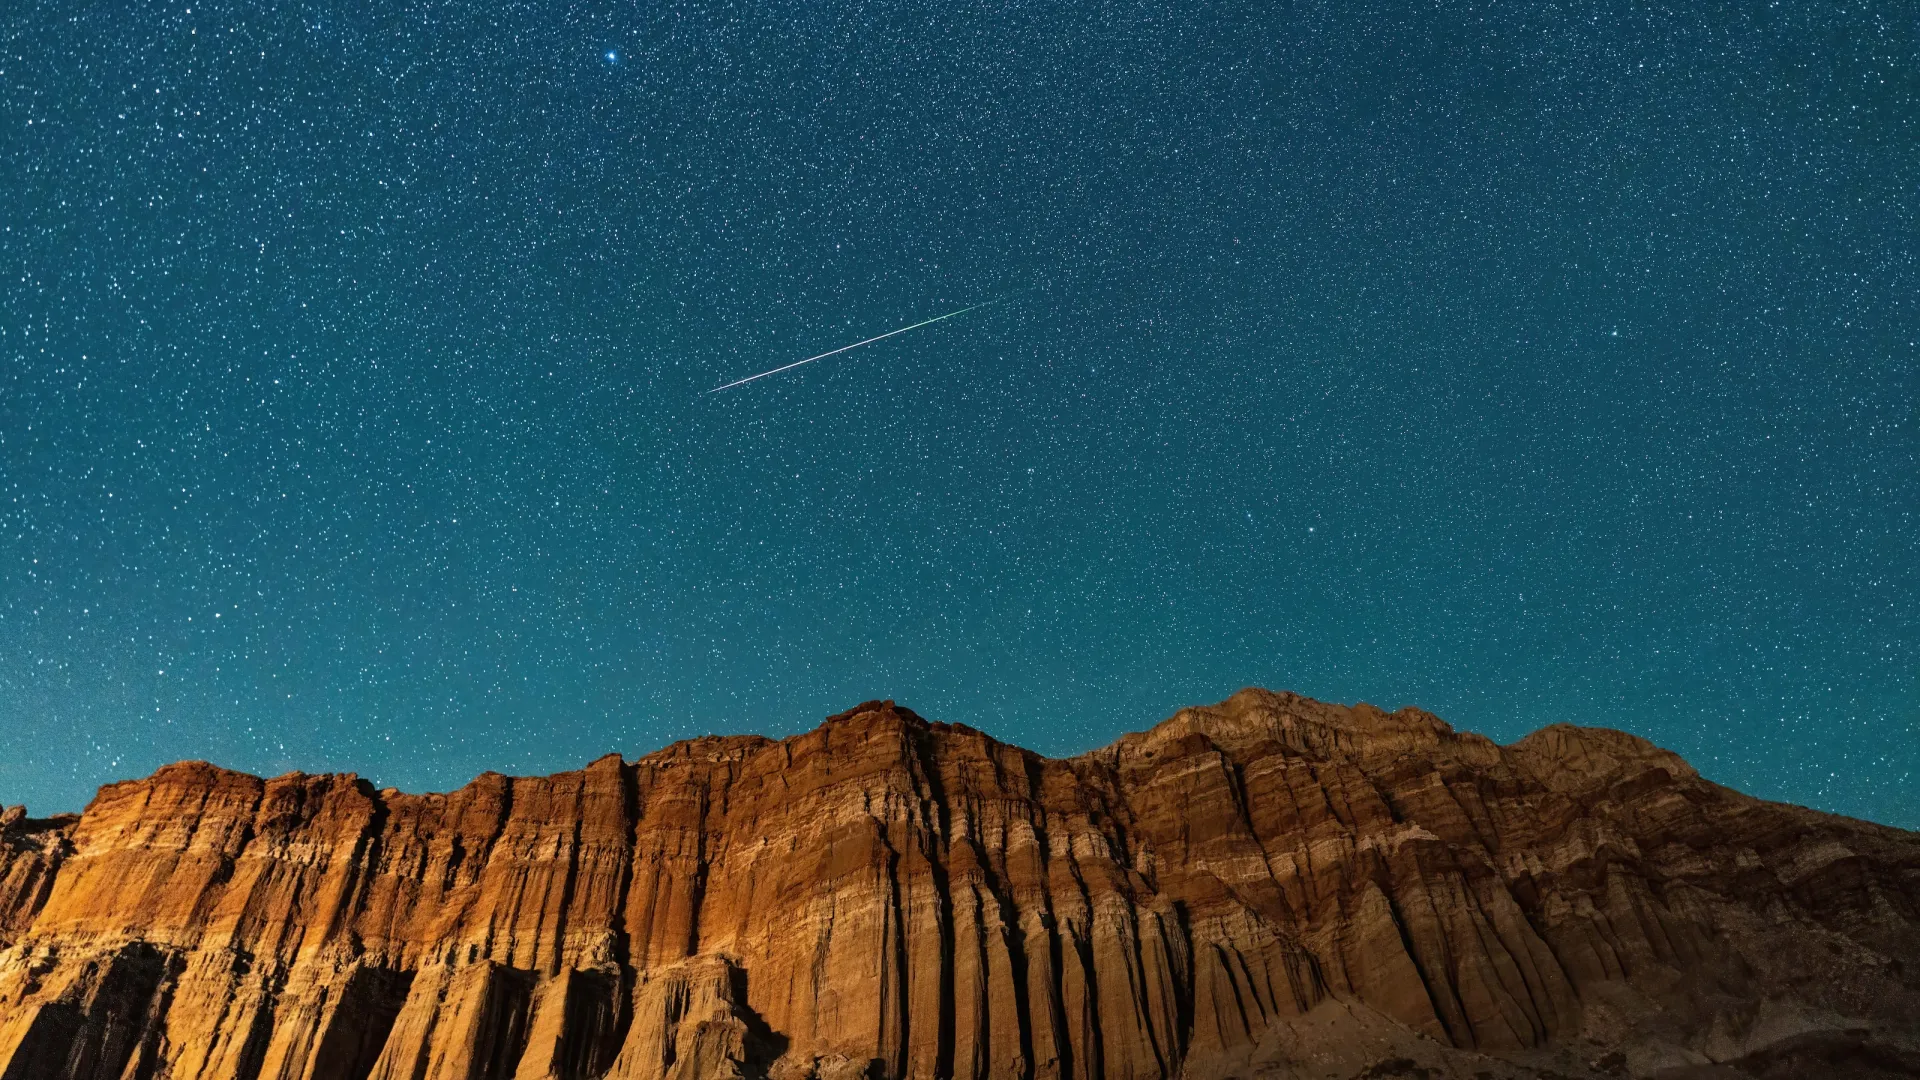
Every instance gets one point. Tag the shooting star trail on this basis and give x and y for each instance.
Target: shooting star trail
(855, 345)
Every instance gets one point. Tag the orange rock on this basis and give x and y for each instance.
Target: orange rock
(1269, 884)
(30, 855)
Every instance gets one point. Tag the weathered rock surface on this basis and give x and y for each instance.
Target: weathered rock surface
(1268, 887)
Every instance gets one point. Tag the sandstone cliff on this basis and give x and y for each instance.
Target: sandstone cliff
(1268, 887)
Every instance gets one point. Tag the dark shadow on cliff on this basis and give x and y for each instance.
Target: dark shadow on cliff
(764, 1046)
(361, 1023)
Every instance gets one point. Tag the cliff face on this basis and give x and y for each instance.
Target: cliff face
(1271, 886)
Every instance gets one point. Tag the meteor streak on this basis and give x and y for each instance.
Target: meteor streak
(855, 345)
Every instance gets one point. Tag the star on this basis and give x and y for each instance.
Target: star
(434, 405)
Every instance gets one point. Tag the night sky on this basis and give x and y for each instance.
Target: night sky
(1527, 363)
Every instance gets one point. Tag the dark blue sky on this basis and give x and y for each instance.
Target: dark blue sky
(1524, 362)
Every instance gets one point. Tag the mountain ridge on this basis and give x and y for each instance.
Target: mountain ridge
(755, 741)
(1267, 886)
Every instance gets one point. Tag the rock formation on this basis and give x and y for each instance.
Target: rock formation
(1268, 887)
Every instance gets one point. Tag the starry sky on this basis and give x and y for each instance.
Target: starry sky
(1524, 362)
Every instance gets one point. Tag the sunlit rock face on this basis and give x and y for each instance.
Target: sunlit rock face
(1267, 887)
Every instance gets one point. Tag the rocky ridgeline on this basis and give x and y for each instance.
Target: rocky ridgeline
(1268, 887)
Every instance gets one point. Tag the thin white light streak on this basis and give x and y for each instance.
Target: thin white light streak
(844, 348)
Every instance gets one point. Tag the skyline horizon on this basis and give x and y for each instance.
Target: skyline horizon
(632, 755)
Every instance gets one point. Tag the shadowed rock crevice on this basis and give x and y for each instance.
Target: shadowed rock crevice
(99, 1027)
(502, 1027)
(595, 1025)
(357, 1031)
(1268, 886)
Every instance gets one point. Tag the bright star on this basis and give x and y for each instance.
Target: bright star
(613, 57)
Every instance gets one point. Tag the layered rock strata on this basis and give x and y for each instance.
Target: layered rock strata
(1270, 886)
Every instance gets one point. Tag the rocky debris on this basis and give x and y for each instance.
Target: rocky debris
(1272, 886)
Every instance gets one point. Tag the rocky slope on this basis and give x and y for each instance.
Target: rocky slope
(1268, 887)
